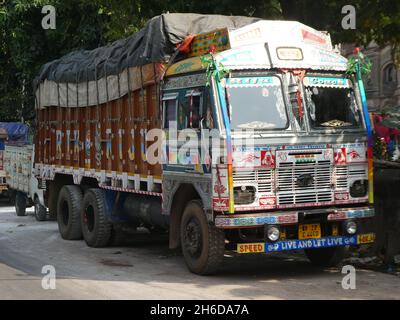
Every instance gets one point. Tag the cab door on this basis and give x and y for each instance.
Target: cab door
(185, 112)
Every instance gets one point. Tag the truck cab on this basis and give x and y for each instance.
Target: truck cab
(287, 168)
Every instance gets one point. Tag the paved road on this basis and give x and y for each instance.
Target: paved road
(146, 269)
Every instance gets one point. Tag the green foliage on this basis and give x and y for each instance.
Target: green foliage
(365, 64)
(379, 149)
(213, 70)
(376, 20)
(87, 24)
(25, 46)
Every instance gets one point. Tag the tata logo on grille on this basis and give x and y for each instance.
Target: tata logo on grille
(305, 180)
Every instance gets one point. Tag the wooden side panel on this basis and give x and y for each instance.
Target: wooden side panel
(110, 137)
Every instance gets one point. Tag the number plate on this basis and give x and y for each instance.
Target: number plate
(366, 238)
(250, 247)
(309, 231)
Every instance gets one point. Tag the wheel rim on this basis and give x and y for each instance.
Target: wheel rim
(65, 213)
(193, 238)
(88, 218)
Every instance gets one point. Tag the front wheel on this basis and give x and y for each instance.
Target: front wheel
(325, 257)
(40, 211)
(203, 244)
(20, 204)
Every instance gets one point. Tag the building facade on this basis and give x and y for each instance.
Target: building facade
(383, 84)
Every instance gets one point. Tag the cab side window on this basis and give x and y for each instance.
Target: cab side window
(188, 108)
(191, 109)
(170, 108)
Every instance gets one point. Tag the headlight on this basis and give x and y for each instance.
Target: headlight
(350, 227)
(359, 189)
(273, 233)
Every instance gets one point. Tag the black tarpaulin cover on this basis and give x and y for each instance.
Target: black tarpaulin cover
(156, 42)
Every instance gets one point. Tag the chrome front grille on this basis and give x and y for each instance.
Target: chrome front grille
(291, 192)
(282, 182)
(345, 173)
(263, 178)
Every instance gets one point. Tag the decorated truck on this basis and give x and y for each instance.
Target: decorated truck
(3, 184)
(11, 134)
(229, 133)
(18, 165)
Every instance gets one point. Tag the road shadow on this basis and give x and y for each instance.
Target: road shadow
(146, 259)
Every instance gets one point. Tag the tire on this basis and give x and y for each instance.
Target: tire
(52, 203)
(11, 194)
(96, 228)
(20, 204)
(40, 211)
(325, 257)
(69, 206)
(203, 245)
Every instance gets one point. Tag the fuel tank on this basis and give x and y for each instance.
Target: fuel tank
(144, 210)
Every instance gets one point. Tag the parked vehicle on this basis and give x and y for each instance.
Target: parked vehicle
(302, 182)
(3, 184)
(11, 133)
(18, 161)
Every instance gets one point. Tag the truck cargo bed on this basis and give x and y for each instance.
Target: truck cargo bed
(105, 141)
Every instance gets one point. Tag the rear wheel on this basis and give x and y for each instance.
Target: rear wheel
(11, 194)
(325, 257)
(40, 211)
(20, 204)
(96, 228)
(68, 212)
(52, 202)
(203, 244)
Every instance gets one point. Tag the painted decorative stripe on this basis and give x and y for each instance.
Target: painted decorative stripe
(327, 82)
(318, 204)
(352, 214)
(47, 172)
(369, 131)
(249, 221)
(150, 193)
(253, 81)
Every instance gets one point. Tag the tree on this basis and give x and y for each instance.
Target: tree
(376, 20)
(87, 24)
(25, 46)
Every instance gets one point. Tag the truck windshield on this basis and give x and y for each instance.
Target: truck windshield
(256, 103)
(331, 103)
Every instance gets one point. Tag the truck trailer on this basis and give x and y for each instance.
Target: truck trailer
(229, 133)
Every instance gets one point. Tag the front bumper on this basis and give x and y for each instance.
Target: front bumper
(287, 245)
(290, 217)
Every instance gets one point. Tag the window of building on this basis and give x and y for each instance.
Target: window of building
(390, 74)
